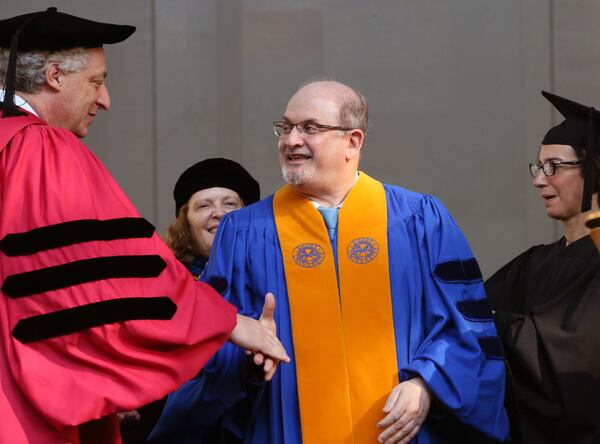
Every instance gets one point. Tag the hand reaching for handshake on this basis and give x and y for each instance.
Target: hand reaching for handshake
(259, 338)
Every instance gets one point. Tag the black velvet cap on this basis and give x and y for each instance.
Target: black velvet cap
(216, 172)
(51, 30)
(581, 128)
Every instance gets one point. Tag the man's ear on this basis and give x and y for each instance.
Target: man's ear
(54, 76)
(355, 143)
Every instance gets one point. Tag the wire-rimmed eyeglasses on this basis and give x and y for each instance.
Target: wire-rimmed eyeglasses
(283, 128)
(549, 166)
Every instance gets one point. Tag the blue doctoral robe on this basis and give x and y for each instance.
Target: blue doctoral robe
(444, 332)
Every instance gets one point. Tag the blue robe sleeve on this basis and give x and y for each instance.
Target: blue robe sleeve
(214, 404)
(459, 355)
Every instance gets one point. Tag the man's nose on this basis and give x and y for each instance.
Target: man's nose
(103, 100)
(294, 138)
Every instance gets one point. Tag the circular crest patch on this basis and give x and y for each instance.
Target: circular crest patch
(362, 250)
(308, 255)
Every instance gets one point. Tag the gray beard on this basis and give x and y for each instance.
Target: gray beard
(297, 176)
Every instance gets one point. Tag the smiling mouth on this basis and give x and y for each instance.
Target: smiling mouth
(548, 197)
(212, 230)
(297, 157)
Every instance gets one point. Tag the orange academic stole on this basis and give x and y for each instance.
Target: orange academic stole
(343, 342)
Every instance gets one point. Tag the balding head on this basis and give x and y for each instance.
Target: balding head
(352, 107)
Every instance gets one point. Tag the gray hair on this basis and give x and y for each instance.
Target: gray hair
(353, 109)
(31, 66)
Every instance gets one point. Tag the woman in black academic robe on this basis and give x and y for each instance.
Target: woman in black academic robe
(547, 300)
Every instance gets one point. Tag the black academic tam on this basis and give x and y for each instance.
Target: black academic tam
(51, 30)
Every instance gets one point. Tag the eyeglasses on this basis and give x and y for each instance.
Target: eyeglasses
(283, 128)
(549, 166)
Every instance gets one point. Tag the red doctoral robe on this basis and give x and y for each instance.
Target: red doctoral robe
(96, 314)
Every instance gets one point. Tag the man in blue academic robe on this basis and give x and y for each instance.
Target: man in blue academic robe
(379, 303)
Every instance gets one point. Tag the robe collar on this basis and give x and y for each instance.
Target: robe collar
(583, 248)
(20, 102)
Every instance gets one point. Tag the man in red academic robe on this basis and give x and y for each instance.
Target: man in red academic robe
(96, 314)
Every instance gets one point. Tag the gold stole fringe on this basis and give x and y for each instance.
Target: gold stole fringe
(344, 343)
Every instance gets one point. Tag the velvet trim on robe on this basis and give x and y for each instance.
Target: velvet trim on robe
(433, 338)
(196, 267)
(547, 303)
(50, 386)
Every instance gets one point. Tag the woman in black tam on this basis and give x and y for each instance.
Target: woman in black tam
(203, 194)
(547, 300)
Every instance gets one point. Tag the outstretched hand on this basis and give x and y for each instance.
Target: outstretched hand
(267, 320)
(406, 407)
(259, 337)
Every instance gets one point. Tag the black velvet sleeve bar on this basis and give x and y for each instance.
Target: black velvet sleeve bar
(80, 272)
(74, 232)
(67, 321)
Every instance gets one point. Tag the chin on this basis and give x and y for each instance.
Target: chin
(80, 133)
(560, 216)
(298, 176)
(552, 213)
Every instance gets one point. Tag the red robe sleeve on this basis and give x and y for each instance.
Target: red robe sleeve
(97, 315)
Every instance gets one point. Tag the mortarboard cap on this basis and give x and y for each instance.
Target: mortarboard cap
(51, 30)
(217, 172)
(581, 128)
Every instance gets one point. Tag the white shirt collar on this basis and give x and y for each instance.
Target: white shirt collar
(20, 102)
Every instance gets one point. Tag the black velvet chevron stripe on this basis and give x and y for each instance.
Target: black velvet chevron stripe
(67, 321)
(80, 272)
(475, 309)
(74, 232)
(458, 271)
(491, 346)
